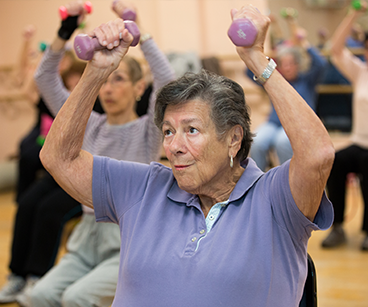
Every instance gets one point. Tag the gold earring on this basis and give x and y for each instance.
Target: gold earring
(138, 98)
(231, 161)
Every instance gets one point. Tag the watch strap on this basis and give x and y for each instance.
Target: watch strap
(267, 72)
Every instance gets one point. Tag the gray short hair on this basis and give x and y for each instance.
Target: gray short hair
(224, 96)
(286, 50)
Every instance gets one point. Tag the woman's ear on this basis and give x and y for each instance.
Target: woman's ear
(139, 87)
(235, 139)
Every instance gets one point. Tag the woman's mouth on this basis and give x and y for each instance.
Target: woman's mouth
(181, 167)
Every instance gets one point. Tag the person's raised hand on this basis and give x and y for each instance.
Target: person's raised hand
(116, 38)
(125, 9)
(29, 32)
(261, 23)
(301, 38)
(76, 8)
(359, 6)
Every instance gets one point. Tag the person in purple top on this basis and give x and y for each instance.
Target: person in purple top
(212, 230)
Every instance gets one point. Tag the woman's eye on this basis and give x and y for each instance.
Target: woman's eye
(192, 130)
(167, 133)
(118, 79)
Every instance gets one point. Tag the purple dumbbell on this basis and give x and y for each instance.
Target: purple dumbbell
(85, 46)
(242, 32)
(126, 14)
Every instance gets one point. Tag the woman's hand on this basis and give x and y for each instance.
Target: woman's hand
(117, 39)
(118, 6)
(252, 55)
(260, 21)
(76, 8)
(300, 38)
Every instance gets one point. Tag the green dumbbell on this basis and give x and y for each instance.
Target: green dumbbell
(356, 4)
(42, 46)
(289, 12)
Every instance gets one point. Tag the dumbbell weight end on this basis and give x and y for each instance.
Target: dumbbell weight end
(242, 32)
(63, 12)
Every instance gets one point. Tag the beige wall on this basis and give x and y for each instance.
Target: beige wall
(177, 25)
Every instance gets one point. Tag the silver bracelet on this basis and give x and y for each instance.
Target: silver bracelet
(267, 72)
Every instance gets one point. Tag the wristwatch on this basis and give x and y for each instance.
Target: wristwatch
(267, 72)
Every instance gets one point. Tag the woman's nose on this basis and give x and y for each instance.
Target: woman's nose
(177, 144)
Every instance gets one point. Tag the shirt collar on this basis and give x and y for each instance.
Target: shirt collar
(249, 177)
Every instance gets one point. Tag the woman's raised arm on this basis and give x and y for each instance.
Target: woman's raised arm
(61, 154)
(313, 151)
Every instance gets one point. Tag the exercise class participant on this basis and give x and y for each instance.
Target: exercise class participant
(213, 230)
(354, 158)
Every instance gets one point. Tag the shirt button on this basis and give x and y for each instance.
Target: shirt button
(211, 217)
(202, 231)
(193, 239)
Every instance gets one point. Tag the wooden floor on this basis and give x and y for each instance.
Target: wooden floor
(342, 274)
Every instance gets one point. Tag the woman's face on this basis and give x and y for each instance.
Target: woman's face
(72, 80)
(288, 67)
(118, 94)
(198, 159)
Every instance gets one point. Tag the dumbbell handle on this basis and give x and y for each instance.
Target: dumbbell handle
(242, 32)
(85, 46)
(126, 14)
(63, 12)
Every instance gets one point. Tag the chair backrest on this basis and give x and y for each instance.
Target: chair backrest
(309, 298)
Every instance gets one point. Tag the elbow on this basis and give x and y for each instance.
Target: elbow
(335, 50)
(43, 157)
(326, 159)
(46, 159)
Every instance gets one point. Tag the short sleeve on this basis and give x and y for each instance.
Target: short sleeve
(116, 187)
(287, 213)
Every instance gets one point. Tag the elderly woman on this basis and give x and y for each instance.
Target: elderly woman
(214, 230)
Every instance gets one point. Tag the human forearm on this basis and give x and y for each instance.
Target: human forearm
(342, 32)
(58, 44)
(304, 129)
(62, 153)
(65, 138)
(313, 151)
(293, 112)
(293, 28)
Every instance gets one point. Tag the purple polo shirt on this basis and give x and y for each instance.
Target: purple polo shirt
(254, 255)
